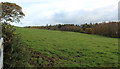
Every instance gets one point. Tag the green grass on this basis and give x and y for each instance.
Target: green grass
(70, 49)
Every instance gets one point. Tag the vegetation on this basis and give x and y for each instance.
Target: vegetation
(70, 49)
(11, 12)
(16, 53)
(106, 29)
(110, 29)
(57, 48)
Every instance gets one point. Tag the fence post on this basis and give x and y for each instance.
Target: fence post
(1, 40)
(1, 53)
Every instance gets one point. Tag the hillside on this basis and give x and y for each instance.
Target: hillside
(71, 49)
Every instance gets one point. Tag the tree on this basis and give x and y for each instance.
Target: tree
(10, 12)
(16, 53)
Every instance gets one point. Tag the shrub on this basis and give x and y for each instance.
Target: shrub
(15, 51)
(89, 31)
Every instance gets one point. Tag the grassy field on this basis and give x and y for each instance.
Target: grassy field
(70, 49)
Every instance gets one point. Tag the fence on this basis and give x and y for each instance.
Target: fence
(1, 53)
(1, 47)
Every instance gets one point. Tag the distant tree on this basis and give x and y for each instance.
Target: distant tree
(50, 25)
(59, 26)
(89, 31)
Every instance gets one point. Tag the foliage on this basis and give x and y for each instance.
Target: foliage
(89, 31)
(110, 29)
(11, 12)
(15, 51)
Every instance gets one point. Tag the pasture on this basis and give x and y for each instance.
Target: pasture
(70, 49)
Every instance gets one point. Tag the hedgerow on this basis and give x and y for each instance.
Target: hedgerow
(16, 53)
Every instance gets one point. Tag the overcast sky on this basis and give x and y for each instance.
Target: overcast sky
(42, 12)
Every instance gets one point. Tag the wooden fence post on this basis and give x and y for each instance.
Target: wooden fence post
(1, 41)
(1, 53)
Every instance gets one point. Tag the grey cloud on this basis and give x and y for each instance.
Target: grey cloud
(75, 17)
(82, 16)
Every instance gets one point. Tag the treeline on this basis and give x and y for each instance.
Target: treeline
(110, 29)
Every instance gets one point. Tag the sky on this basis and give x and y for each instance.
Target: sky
(42, 12)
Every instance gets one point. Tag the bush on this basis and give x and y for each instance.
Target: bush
(89, 31)
(15, 51)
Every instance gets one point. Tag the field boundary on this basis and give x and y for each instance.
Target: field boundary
(1, 53)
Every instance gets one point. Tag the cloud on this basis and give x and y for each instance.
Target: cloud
(42, 12)
(82, 16)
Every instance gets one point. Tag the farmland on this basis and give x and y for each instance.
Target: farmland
(70, 49)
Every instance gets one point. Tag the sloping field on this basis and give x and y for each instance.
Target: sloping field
(71, 49)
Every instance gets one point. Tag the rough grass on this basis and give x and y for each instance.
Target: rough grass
(70, 49)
